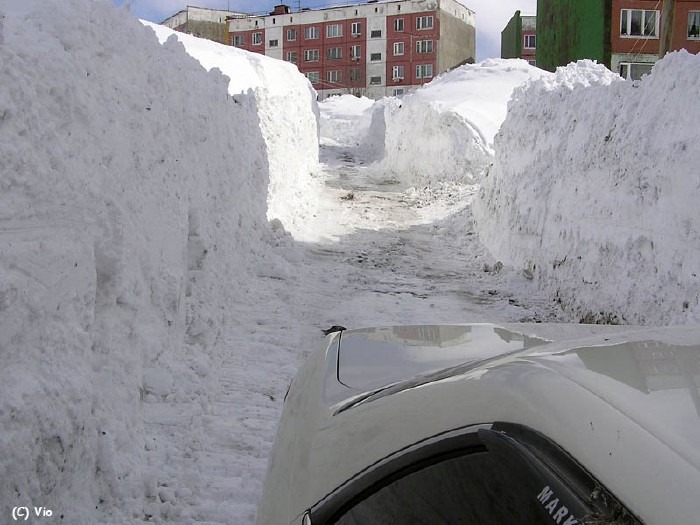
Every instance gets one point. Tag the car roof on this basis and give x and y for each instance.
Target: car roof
(623, 401)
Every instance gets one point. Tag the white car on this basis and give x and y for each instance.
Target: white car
(474, 424)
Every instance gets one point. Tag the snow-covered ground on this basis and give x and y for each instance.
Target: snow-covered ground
(151, 317)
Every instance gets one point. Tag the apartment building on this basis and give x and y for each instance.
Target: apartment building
(624, 35)
(519, 38)
(202, 22)
(373, 49)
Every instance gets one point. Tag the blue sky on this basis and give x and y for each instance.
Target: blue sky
(491, 16)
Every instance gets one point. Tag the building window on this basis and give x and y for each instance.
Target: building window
(398, 24)
(311, 33)
(399, 91)
(311, 55)
(355, 52)
(639, 23)
(634, 71)
(398, 48)
(291, 35)
(334, 30)
(532, 62)
(257, 39)
(375, 33)
(356, 28)
(397, 73)
(274, 43)
(292, 57)
(374, 81)
(312, 76)
(529, 41)
(374, 57)
(335, 53)
(424, 22)
(694, 25)
(424, 71)
(424, 46)
(237, 40)
(334, 76)
(355, 74)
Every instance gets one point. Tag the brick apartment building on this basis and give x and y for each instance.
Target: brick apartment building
(624, 35)
(373, 49)
(519, 38)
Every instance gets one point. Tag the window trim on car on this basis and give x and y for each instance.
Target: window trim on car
(559, 472)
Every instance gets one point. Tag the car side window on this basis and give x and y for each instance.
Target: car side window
(502, 474)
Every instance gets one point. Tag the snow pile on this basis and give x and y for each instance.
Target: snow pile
(132, 206)
(444, 130)
(595, 191)
(288, 116)
(345, 117)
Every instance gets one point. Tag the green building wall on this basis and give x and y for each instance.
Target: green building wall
(571, 30)
(511, 38)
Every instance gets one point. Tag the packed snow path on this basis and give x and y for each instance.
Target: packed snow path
(382, 255)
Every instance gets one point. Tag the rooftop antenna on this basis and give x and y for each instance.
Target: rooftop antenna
(298, 6)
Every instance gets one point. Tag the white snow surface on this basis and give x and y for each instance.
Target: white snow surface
(133, 245)
(444, 131)
(595, 189)
(288, 116)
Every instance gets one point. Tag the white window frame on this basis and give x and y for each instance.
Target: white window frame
(375, 81)
(334, 76)
(291, 35)
(313, 77)
(334, 30)
(626, 16)
(257, 39)
(356, 28)
(529, 39)
(375, 57)
(353, 77)
(312, 33)
(696, 23)
(311, 55)
(424, 71)
(399, 48)
(273, 43)
(398, 25)
(237, 41)
(424, 22)
(397, 73)
(399, 91)
(628, 66)
(424, 46)
(334, 53)
(355, 52)
(292, 56)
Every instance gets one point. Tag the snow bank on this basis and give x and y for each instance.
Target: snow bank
(346, 118)
(288, 116)
(595, 191)
(132, 204)
(444, 130)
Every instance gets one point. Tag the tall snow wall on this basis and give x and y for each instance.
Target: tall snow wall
(289, 120)
(132, 206)
(595, 190)
(444, 131)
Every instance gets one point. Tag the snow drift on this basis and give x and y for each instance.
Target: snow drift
(444, 131)
(595, 190)
(288, 116)
(132, 210)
